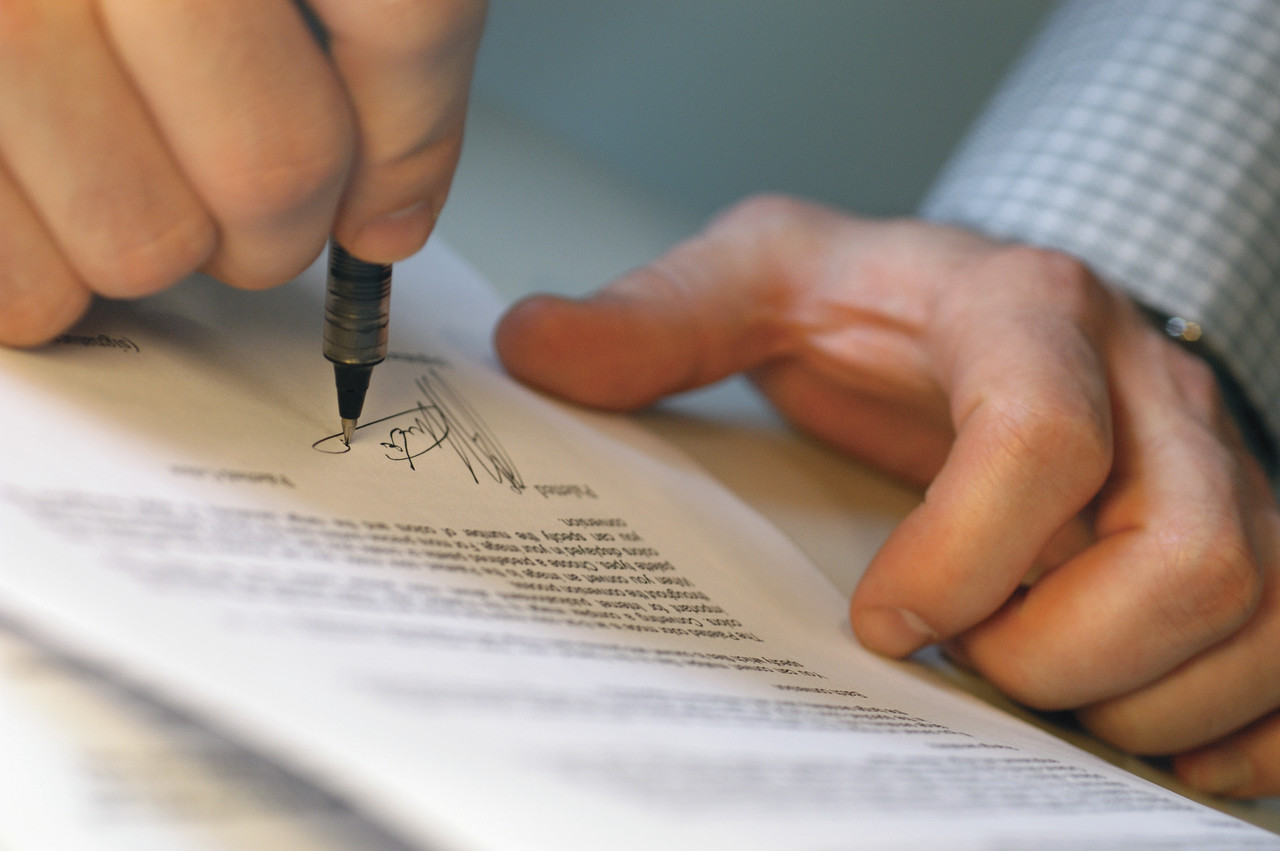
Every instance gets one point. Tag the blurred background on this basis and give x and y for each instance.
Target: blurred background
(604, 131)
(854, 102)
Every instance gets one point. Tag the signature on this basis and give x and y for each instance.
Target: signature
(442, 419)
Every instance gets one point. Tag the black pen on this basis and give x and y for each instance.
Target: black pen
(356, 306)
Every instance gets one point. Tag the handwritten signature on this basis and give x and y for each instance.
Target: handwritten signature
(442, 419)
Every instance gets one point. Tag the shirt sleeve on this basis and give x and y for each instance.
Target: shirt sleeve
(1143, 138)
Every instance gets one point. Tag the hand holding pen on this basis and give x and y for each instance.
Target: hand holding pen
(143, 141)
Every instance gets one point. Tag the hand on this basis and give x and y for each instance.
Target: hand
(141, 141)
(1093, 535)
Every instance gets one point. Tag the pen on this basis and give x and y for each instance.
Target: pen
(356, 302)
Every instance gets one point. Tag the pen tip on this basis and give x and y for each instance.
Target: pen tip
(348, 429)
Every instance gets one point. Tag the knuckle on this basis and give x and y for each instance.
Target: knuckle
(292, 175)
(1073, 430)
(133, 260)
(1212, 581)
(279, 269)
(776, 238)
(416, 163)
(1058, 276)
(251, 265)
(290, 156)
(764, 212)
(1052, 278)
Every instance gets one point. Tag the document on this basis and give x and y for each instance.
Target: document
(92, 765)
(491, 622)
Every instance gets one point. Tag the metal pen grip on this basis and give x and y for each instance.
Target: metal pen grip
(356, 306)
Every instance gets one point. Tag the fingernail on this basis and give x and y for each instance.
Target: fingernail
(398, 215)
(893, 631)
(398, 233)
(1220, 772)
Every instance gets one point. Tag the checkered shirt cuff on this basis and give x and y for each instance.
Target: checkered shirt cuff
(1143, 137)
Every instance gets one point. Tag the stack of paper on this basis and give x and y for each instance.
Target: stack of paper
(493, 623)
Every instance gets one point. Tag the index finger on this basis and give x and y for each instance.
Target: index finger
(407, 69)
(1033, 445)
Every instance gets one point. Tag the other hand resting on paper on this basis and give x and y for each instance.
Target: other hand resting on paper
(1058, 434)
(142, 140)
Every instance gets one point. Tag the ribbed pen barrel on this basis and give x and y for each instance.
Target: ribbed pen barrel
(356, 304)
(356, 309)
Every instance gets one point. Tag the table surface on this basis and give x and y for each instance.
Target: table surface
(533, 215)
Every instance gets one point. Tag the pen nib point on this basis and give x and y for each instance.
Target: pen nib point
(348, 429)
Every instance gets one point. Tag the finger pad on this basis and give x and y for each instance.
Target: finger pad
(572, 351)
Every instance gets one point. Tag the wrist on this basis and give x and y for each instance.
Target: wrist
(1190, 336)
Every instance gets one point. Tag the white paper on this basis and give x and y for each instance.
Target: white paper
(495, 622)
(91, 765)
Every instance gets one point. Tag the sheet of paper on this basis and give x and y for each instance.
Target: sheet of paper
(494, 622)
(94, 766)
